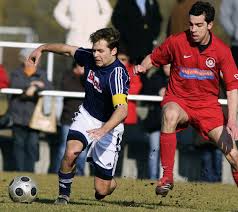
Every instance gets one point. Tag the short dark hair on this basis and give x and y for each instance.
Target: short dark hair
(110, 35)
(203, 8)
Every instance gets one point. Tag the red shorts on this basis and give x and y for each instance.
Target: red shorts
(204, 116)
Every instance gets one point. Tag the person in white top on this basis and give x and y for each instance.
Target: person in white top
(81, 18)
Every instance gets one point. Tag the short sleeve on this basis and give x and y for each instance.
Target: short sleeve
(229, 70)
(83, 56)
(162, 55)
(119, 86)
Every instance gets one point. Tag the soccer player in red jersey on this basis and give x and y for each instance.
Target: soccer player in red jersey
(197, 58)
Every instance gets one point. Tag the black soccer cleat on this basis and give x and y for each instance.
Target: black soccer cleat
(62, 200)
(99, 196)
(163, 187)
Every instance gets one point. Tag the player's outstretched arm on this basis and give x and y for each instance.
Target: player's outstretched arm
(145, 65)
(232, 103)
(55, 48)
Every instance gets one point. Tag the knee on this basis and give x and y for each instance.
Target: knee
(70, 155)
(101, 192)
(170, 118)
(105, 190)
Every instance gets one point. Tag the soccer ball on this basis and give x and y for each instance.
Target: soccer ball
(22, 189)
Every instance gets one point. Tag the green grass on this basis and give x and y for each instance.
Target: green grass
(130, 195)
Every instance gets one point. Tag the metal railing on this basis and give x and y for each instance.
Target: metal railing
(82, 94)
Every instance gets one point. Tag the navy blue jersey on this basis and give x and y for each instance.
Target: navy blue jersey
(102, 85)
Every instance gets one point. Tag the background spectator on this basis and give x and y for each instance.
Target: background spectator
(72, 81)
(178, 20)
(155, 85)
(139, 23)
(4, 81)
(211, 162)
(132, 133)
(81, 18)
(228, 18)
(5, 121)
(25, 139)
(54, 139)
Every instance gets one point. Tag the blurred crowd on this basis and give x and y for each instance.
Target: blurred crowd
(140, 25)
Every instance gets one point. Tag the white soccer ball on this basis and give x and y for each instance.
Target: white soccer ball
(23, 189)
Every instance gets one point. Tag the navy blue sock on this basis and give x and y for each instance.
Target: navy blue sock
(65, 181)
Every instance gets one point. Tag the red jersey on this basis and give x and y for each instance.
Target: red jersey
(4, 81)
(195, 75)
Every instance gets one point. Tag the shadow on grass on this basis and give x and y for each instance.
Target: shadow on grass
(51, 202)
(126, 203)
(132, 204)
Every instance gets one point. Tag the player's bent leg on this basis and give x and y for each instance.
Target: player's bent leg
(104, 187)
(73, 149)
(172, 115)
(67, 170)
(228, 147)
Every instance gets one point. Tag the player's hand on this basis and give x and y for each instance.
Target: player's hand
(139, 69)
(34, 57)
(232, 129)
(96, 134)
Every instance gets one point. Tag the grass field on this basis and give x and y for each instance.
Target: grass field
(131, 195)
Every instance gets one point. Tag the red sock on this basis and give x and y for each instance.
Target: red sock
(235, 176)
(168, 143)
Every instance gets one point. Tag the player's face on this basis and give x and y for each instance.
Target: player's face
(199, 29)
(103, 55)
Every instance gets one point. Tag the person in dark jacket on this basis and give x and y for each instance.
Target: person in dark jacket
(155, 85)
(139, 24)
(72, 81)
(25, 139)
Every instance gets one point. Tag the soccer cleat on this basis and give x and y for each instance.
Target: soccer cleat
(99, 196)
(62, 200)
(163, 187)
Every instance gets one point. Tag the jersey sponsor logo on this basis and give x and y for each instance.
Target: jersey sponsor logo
(210, 62)
(187, 56)
(195, 73)
(236, 76)
(94, 81)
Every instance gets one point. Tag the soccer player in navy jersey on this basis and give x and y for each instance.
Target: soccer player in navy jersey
(197, 58)
(99, 121)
